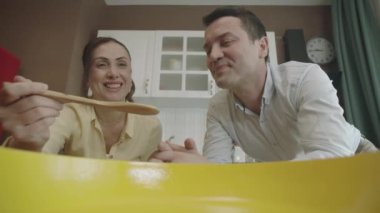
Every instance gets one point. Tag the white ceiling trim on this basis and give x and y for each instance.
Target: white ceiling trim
(219, 2)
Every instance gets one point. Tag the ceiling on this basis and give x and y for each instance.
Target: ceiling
(218, 2)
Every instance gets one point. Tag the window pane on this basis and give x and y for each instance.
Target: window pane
(197, 82)
(196, 62)
(170, 82)
(171, 62)
(172, 44)
(195, 44)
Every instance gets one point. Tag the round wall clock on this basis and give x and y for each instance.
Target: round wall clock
(320, 50)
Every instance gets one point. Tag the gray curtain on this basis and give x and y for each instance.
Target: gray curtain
(357, 42)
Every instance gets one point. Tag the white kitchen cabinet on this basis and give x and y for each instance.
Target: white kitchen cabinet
(140, 44)
(272, 48)
(180, 68)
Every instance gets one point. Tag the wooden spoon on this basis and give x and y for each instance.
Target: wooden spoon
(129, 107)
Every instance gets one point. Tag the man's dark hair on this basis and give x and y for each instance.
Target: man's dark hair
(250, 22)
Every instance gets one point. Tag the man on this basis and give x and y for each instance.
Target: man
(289, 112)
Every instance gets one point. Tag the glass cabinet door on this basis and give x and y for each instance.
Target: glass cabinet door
(182, 69)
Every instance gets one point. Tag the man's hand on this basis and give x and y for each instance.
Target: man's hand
(169, 152)
(26, 115)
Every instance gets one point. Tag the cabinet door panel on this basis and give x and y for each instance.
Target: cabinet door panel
(170, 82)
(172, 44)
(196, 63)
(195, 44)
(197, 82)
(272, 48)
(171, 62)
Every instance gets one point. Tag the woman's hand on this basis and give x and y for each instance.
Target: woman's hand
(26, 115)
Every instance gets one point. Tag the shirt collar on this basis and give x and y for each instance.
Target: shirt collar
(240, 106)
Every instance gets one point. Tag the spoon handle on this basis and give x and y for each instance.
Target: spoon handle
(128, 107)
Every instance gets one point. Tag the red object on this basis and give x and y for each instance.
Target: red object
(9, 65)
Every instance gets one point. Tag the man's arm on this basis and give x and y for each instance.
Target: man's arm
(218, 146)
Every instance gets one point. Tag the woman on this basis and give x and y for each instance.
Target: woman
(82, 130)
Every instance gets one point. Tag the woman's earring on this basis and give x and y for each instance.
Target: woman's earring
(89, 92)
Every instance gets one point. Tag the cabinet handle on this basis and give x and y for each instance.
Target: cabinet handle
(211, 87)
(146, 85)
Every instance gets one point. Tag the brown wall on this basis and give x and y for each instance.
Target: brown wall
(49, 35)
(90, 14)
(39, 33)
